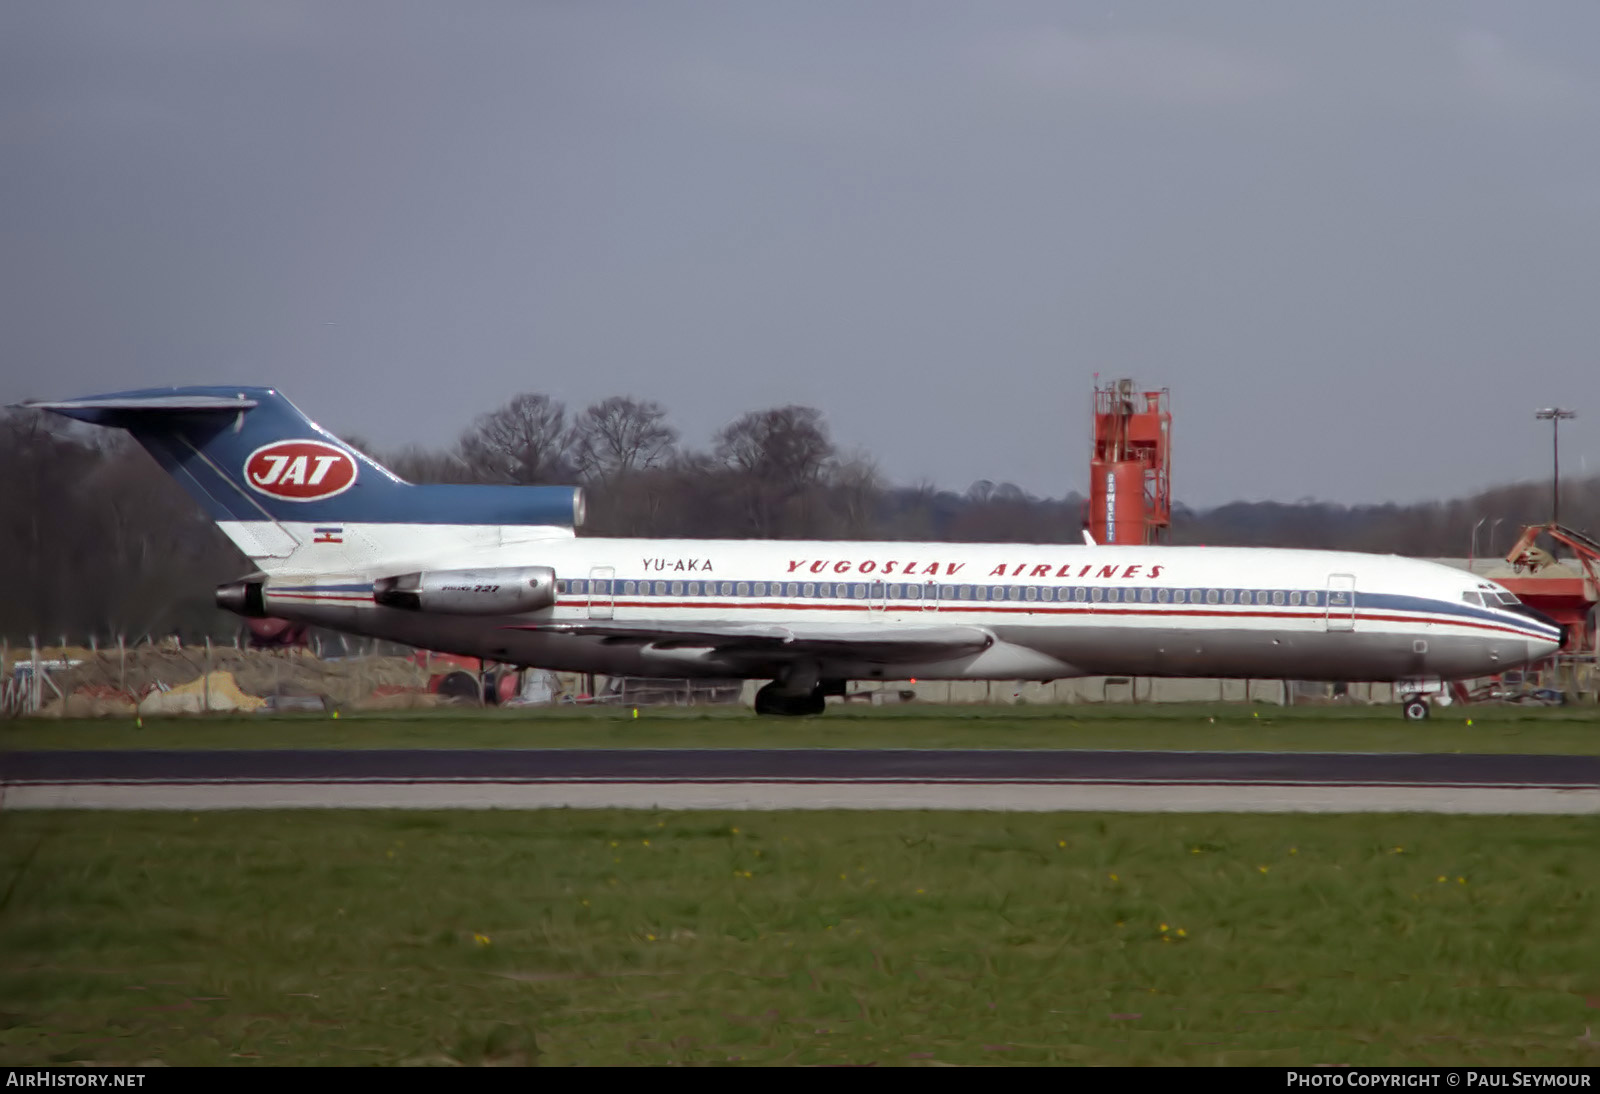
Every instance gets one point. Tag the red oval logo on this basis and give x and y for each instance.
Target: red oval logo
(300, 470)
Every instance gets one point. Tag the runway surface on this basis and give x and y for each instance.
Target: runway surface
(802, 779)
(800, 765)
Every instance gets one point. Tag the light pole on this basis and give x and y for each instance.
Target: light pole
(1472, 551)
(1553, 415)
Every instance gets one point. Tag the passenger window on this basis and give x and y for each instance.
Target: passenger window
(694, 588)
(561, 586)
(1161, 596)
(1080, 594)
(966, 592)
(1032, 592)
(1311, 598)
(743, 588)
(1114, 595)
(1294, 598)
(946, 591)
(810, 589)
(1145, 595)
(1097, 594)
(1211, 596)
(794, 589)
(602, 586)
(1277, 597)
(1227, 596)
(759, 589)
(861, 592)
(914, 592)
(629, 588)
(1180, 595)
(998, 592)
(892, 592)
(677, 588)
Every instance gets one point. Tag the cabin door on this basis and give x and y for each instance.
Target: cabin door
(930, 596)
(602, 591)
(1340, 611)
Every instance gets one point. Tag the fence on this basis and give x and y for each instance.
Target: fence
(170, 678)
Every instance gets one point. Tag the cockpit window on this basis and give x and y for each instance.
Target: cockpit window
(1472, 598)
(1508, 598)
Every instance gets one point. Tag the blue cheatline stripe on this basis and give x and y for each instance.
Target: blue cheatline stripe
(895, 594)
(1452, 607)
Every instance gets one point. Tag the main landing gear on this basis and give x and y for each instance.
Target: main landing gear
(773, 699)
(1415, 708)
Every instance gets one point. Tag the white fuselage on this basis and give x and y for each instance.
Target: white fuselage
(1053, 610)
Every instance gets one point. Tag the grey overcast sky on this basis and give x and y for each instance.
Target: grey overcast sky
(1359, 241)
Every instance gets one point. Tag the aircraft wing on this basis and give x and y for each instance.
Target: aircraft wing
(859, 640)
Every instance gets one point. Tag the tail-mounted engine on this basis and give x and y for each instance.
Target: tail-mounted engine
(501, 591)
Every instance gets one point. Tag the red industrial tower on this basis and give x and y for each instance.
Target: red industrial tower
(1130, 488)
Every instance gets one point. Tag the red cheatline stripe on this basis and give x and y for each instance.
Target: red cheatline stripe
(1026, 609)
(973, 606)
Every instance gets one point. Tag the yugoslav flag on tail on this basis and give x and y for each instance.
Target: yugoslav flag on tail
(295, 498)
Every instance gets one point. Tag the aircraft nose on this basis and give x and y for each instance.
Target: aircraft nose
(1540, 649)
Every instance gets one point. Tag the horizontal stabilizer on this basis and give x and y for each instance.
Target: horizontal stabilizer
(94, 409)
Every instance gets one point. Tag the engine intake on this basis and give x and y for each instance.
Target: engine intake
(501, 591)
(242, 598)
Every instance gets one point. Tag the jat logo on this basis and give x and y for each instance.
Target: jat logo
(300, 470)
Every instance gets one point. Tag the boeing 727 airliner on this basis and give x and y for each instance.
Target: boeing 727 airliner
(498, 572)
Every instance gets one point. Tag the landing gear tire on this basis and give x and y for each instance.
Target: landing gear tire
(770, 701)
(1416, 710)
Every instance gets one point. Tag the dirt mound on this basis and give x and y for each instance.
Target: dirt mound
(143, 670)
(215, 691)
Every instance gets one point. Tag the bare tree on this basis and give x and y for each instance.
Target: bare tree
(788, 445)
(855, 489)
(776, 458)
(524, 441)
(620, 435)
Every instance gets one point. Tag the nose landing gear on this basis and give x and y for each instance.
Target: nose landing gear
(1415, 708)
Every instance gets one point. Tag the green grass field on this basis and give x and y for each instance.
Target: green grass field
(889, 938)
(1569, 730)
